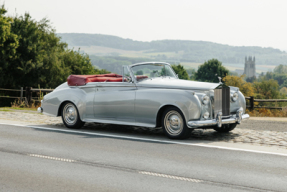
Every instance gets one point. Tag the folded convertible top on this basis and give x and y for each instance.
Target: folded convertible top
(78, 80)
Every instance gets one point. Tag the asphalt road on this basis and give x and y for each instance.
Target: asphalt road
(33, 159)
(264, 124)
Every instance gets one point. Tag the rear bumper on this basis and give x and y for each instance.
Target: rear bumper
(219, 121)
(40, 110)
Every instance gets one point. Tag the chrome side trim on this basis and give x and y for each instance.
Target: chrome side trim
(146, 63)
(105, 121)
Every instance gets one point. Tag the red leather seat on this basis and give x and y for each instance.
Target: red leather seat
(140, 77)
(78, 80)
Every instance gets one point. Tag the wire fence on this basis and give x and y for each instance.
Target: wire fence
(28, 98)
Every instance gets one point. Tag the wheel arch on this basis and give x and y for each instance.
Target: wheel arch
(61, 106)
(162, 109)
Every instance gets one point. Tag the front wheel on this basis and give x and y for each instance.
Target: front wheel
(174, 125)
(70, 116)
(225, 128)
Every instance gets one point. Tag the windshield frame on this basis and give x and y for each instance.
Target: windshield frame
(151, 63)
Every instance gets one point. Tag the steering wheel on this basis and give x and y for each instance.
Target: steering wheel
(129, 79)
(156, 73)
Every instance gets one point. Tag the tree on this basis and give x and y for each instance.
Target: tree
(8, 44)
(235, 81)
(283, 91)
(251, 79)
(279, 74)
(281, 69)
(284, 84)
(280, 78)
(38, 56)
(191, 73)
(180, 71)
(210, 71)
(267, 89)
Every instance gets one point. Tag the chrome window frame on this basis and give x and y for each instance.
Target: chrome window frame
(149, 63)
(130, 72)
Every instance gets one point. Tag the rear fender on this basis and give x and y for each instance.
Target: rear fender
(53, 101)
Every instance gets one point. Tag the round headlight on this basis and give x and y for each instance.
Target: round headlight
(206, 115)
(234, 97)
(205, 99)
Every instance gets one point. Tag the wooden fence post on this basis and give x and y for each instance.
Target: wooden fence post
(251, 102)
(21, 95)
(28, 94)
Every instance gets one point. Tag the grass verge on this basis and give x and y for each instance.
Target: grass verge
(17, 108)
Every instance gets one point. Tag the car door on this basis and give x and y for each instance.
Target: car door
(115, 100)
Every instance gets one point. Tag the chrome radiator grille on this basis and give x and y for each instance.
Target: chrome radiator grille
(222, 101)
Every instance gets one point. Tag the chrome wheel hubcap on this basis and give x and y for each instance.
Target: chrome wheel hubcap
(70, 114)
(173, 123)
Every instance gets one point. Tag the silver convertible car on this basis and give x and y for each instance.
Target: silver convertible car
(147, 95)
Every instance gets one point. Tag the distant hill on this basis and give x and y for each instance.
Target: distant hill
(172, 50)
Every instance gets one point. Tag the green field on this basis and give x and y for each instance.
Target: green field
(158, 56)
(107, 51)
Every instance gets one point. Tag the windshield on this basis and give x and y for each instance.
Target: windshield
(152, 70)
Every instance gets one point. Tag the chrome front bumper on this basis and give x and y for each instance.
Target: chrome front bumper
(236, 118)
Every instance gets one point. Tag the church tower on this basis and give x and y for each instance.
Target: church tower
(249, 68)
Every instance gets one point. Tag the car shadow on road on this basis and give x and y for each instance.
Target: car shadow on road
(127, 132)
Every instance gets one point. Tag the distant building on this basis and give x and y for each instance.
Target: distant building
(249, 68)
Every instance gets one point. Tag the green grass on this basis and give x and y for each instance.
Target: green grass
(16, 108)
(5, 110)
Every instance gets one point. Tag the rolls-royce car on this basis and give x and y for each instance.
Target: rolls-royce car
(147, 95)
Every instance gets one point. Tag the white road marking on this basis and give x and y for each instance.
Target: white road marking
(52, 158)
(146, 139)
(171, 177)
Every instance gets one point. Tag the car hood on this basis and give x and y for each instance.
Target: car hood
(170, 83)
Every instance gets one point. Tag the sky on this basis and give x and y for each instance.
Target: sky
(232, 22)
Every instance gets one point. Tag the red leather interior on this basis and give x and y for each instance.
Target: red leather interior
(78, 80)
(139, 77)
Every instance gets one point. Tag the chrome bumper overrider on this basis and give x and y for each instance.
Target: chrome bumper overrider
(236, 118)
(40, 109)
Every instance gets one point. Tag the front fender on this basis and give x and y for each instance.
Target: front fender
(241, 101)
(149, 103)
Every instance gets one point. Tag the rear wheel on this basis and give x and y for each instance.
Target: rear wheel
(174, 125)
(225, 128)
(70, 116)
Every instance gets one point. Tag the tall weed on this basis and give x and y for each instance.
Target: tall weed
(262, 112)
